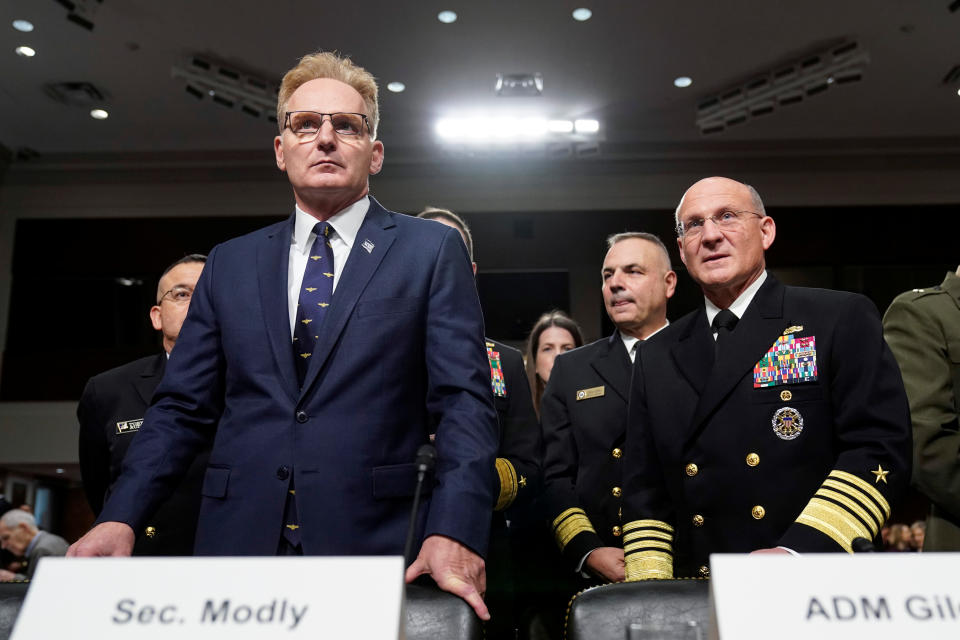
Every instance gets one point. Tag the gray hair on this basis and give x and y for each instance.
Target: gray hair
(641, 235)
(15, 517)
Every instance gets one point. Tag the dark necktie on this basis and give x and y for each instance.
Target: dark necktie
(724, 323)
(315, 294)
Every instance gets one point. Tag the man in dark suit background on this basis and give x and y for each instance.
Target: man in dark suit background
(322, 380)
(771, 419)
(584, 409)
(111, 411)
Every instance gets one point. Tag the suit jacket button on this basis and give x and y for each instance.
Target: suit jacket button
(758, 512)
(692, 469)
(283, 472)
(617, 453)
(616, 491)
(616, 532)
(704, 571)
(302, 417)
(697, 520)
(753, 459)
(150, 532)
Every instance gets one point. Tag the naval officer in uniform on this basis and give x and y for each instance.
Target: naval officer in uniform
(584, 409)
(772, 418)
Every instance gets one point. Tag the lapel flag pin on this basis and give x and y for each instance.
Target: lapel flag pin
(366, 244)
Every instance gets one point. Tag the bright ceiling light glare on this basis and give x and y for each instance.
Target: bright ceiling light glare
(682, 82)
(560, 126)
(498, 130)
(586, 126)
(446, 17)
(59, 470)
(25, 51)
(582, 14)
(958, 92)
(396, 87)
(24, 26)
(99, 114)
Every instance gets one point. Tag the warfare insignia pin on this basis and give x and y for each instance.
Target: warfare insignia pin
(787, 423)
(794, 329)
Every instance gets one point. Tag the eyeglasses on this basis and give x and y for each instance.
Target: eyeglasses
(178, 295)
(725, 221)
(306, 124)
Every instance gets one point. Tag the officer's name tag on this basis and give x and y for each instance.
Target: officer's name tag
(592, 392)
(129, 426)
(214, 598)
(836, 596)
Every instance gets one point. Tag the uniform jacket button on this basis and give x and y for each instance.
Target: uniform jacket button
(150, 532)
(616, 491)
(616, 531)
(704, 571)
(697, 520)
(302, 417)
(617, 453)
(692, 469)
(752, 459)
(758, 512)
(283, 472)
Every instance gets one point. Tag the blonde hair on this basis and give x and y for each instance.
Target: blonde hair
(327, 64)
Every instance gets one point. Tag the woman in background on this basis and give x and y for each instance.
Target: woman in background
(554, 333)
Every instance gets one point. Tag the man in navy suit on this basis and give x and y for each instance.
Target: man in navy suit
(317, 457)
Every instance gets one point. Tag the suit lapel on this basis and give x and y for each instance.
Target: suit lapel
(613, 365)
(146, 383)
(377, 230)
(273, 264)
(693, 352)
(755, 333)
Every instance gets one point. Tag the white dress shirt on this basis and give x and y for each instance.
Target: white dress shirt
(345, 225)
(739, 306)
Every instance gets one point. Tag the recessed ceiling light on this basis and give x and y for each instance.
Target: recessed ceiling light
(958, 92)
(396, 87)
(23, 25)
(683, 82)
(582, 14)
(99, 114)
(446, 17)
(59, 470)
(25, 51)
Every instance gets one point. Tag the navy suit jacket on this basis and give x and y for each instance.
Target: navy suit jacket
(400, 354)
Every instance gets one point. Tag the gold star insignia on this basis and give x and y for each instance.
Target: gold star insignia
(315, 257)
(329, 275)
(323, 304)
(307, 320)
(881, 474)
(310, 289)
(522, 481)
(305, 355)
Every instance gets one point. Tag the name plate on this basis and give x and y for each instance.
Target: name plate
(836, 596)
(214, 598)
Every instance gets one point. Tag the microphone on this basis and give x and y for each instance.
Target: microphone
(426, 460)
(862, 545)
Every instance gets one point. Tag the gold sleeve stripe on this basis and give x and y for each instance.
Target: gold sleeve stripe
(508, 484)
(854, 507)
(652, 565)
(645, 534)
(834, 522)
(864, 486)
(640, 545)
(641, 524)
(569, 525)
(876, 515)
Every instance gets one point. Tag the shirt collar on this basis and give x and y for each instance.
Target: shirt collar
(739, 306)
(346, 223)
(629, 341)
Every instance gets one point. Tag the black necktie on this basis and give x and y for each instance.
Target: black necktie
(315, 294)
(724, 323)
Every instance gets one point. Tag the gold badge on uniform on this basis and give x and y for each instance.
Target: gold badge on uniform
(592, 392)
(129, 426)
(787, 423)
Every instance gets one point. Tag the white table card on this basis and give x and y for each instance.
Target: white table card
(877, 596)
(214, 598)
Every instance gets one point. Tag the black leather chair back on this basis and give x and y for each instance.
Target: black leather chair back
(605, 612)
(11, 597)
